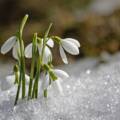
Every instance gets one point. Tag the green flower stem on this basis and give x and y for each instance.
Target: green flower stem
(35, 87)
(16, 74)
(23, 75)
(18, 90)
(22, 60)
(34, 47)
(45, 93)
(36, 77)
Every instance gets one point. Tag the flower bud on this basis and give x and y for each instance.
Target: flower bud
(15, 69)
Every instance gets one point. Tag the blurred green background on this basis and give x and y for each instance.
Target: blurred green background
(95, 23)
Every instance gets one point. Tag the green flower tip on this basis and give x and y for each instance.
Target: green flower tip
(51, 24)
(27, 15)
(15, 68)
(35, 34)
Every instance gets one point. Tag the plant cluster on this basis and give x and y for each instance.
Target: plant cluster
(41, 55)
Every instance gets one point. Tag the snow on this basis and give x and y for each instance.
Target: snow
(91, 93)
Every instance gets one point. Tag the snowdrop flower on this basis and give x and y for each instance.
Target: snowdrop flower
(47, 53)
(71, 46)
(50, 43)
(60, 75)
(46, 81)
(11, 78)
(9, 44)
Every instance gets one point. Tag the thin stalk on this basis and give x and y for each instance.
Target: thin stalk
(19, 82)
(19, 86)
(32, 65)
(37, 76)
(22, 59)
(23, 74)
(40, 60)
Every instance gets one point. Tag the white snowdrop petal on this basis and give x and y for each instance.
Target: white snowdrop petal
(46, 81)
(7, 46)
(15, 50)
(40, 87)
(47, 51)
(50, 43)
(47, 55)
(70, 47)
(28, 51)
(61, 74)
(73, 41)
(63, 55)
(59, 86)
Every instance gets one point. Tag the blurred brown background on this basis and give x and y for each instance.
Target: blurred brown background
(95, 23)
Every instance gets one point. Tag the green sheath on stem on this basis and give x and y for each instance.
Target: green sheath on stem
(34, 43)
(18, 90)
(45, 93)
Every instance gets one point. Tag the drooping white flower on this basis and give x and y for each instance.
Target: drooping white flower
(11, 78)
(50, 43)
(47, 52)
(71, 46)
(61, 75)
(46, 81)
(16, 50)
(47, 55)
(28, 51)
(9, 44)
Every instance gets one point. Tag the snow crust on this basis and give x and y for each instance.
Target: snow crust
(91, 93)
